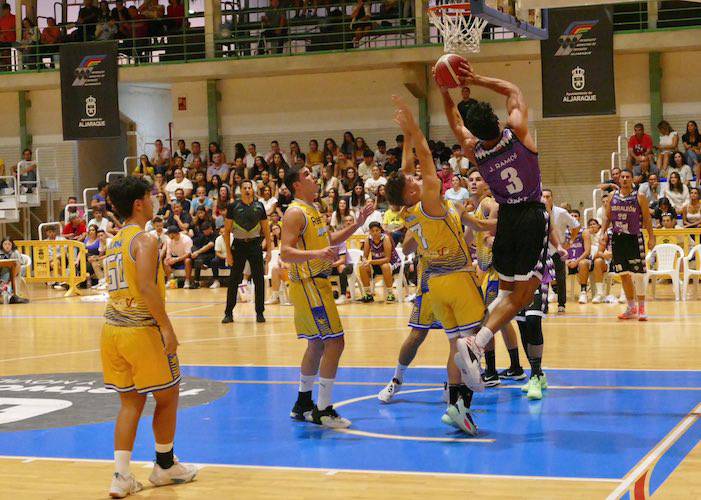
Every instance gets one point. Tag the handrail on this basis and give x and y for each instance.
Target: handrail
(85, 195)
(125, 163)
(40, 228)
(66, 213)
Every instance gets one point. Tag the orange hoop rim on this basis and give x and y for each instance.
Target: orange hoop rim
(452, 9)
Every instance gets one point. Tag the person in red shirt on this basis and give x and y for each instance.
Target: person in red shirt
(176, 14)
(75, 229)
(8, 35)
(639, 146)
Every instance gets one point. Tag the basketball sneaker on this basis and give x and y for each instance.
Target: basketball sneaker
(642, 315)
(329, 418)
(535, 390)
(622, 298)
(468, 360)
(367, 298)
(629, 313)
(178, 473)
(390, 391)
(123, 486)
(515, 374)
(302, 410)
(445, 418)
(583, 297)
(390, 298)
(598, 299)
(610, 299)
(446, 393)
(491, 380)
(462, 417)
(542, 380)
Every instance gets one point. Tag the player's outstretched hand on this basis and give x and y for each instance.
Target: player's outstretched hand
(170, 341)
(329, 254)
(403, 115)
(365, 212)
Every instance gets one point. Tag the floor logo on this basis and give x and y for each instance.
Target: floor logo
(47, 401)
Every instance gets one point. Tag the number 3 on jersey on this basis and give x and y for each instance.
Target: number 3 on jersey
(115, 273)
(510, 175)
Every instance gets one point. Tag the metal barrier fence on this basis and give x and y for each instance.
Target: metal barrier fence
(56, 261)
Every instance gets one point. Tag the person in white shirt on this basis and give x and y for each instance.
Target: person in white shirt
(179, 182)
(220, 252)
(669, 141)
(160, 233)
(250, 157)
(365, 166)
(374, 182)
(178, 253)
(457, 194)
(100, 222)
(676, 191)
(678, 165)
(458, 161)
(275, 148)
(376, 216)
(560, 221)
(380, 155)
(27, 171)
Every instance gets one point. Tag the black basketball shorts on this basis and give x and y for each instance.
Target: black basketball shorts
(628, 253)
(520, 249)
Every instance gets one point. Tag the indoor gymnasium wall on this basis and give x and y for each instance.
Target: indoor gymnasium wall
(190, 123)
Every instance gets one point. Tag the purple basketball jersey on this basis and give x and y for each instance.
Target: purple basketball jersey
(510, 169)
(576, 249)
(626, 215)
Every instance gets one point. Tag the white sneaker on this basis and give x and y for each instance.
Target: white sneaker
(215, 284)
(468, 360)
(610, 299)
(390, 391)
(462, 417)
(622, 298)
(274, 298)
(186, 285)
(448, 421)
(552, 296)
(177, 474)
(123, 486)
(582, 297)
(446, 393)
(329, 418)
(410, 298)
(341, 300)
(598, 299)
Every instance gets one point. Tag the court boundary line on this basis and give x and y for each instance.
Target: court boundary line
(643, 469)
(326, 469)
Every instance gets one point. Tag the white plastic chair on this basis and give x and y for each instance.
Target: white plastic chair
(274, 261)
(399, 279)
(668, 259)
(355, 255)
(689, 272)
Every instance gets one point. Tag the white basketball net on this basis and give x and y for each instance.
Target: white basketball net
(461, 31)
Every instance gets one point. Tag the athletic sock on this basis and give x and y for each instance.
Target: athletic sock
(491, 362)
(513, 356)
(483, 337)
(465, 394)
(631, 304)
(306, 383)
(599, 288)
(121, 461)
(454, 392)
(399, 372)
(325, 389)
(583, 287)
(164, 455)
(641, 307)
(535, 366)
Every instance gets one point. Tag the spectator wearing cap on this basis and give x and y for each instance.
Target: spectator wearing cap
(203, 253)
(75, 229)
(178, 254)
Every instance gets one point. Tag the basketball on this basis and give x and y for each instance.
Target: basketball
(447, 68)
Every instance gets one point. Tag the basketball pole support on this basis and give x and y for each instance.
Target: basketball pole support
(655, 76)
(213, 98)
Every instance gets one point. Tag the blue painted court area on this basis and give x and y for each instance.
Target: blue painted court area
(590, 424)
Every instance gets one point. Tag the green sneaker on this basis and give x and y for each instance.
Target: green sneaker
(535, 391)
(525, 387)
(448, 421)
(543, 381)
(390, 298)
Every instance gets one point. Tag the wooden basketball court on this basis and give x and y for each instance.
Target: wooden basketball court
(61, 335)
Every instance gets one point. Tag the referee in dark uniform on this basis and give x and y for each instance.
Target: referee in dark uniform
(247, 221)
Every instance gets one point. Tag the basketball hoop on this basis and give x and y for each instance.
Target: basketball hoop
(461, 31)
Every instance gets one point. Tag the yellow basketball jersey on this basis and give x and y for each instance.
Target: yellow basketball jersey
(441, 240)
(484, 252)
(315, 236)
(125, 306)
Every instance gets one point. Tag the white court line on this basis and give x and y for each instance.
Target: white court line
(194, 308)
(454, 475)
(647, 463)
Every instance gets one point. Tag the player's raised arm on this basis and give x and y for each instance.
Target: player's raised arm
(516, 106)
(408, 159)
(461, 133)
(431, 192)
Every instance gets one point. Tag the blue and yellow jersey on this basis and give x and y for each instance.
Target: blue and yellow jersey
(126, 306)
(315, 236)
(441, 240)
(484, 252)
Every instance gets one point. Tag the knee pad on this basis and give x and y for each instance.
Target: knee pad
(535, 329)
(639, 283)
(500, 296)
